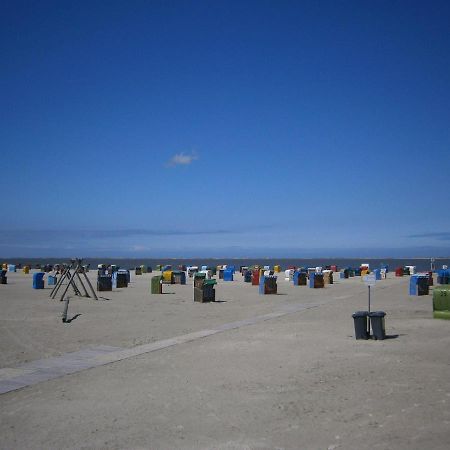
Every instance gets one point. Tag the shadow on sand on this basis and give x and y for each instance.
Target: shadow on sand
(70, 320)
(393, 336)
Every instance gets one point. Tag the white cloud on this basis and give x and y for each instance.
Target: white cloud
(182, 159)
(139, 248)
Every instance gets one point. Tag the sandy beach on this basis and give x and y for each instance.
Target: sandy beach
(246, 372)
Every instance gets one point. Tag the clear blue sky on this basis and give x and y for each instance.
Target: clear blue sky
(234, 128)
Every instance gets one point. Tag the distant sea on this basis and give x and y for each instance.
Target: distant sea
(131, 263)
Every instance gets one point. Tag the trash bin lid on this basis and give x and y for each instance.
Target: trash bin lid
(377, 314)
(200, 275)
(360, 314)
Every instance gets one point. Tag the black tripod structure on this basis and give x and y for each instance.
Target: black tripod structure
(73, 274)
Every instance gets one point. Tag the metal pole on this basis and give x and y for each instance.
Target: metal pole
(74, 285)
(67, 275)
(81, 282)
(368, 322)
(67, 287)
(59, 283)
(66, 308)
(90, 285)
(78, 268)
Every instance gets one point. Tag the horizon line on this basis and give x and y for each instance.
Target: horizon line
(228, 257)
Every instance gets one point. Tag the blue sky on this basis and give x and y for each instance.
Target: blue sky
(238, 128)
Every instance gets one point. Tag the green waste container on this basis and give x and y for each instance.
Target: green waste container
(205, 292)
(441, 302)
(199, 279)
(156, 285)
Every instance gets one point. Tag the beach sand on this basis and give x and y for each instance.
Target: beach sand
(295, 380)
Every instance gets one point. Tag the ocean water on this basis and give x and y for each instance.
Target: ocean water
(130, 263)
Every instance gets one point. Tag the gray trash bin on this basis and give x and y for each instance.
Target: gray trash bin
(360, 319)
(378, 325)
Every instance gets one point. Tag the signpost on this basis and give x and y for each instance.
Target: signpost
(370, 281)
